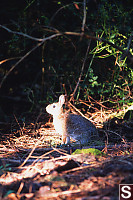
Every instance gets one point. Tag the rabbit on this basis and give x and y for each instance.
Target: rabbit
(71, 126)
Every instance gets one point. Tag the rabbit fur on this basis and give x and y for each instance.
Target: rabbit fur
(71, 125)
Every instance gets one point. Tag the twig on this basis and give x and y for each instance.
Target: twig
(48, 153)
(128, 54)
(12, 68)
(129, 41)
(81, 113)
(116, 134)
(43, 156)
(29, 155)
(30, 37)
(65, 194)
(63, 7)
(99, 103)
(3, 61)
(128, 48)
(42, 40)
(18, 124)
(84, 18)
(20, 188)
(82, 69)
(5, 149)
(28, 53)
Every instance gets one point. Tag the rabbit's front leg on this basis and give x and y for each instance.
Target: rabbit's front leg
(65, 139)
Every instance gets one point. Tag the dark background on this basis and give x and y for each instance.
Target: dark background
(106, 79)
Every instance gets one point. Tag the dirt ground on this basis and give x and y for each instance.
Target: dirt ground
(34, 166)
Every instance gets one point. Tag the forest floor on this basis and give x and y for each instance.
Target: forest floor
(34, 165)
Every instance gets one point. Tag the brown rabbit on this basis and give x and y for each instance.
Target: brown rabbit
(71, 125)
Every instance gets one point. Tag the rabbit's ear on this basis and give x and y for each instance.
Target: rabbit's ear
(62, 99)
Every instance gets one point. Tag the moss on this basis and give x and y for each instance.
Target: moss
(91, 151)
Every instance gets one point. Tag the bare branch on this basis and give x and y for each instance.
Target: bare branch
(12, 68)
(84, 18)
(28, 53)
(5, 60)
(63, 7)
(20, 33)
(30, 37)
(128, 54)
(42, 40)
(129, 41)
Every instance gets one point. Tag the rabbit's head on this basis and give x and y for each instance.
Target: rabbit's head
(56, 109)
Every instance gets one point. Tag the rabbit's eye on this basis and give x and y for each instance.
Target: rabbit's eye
(53, 106)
